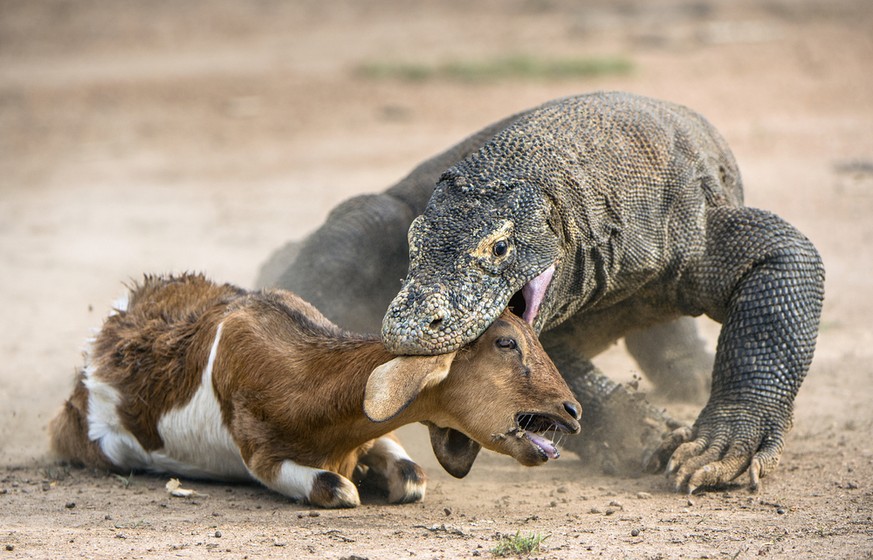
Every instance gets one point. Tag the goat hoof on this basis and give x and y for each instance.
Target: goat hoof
(406, 482)
(330, 490)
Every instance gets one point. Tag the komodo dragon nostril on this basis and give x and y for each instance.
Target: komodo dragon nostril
(436, 308)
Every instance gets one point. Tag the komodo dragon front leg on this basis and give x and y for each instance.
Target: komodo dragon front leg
(754, 277)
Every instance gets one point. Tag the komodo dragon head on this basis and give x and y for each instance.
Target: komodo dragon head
(479, 242)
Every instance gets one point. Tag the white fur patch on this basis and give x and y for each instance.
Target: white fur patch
(389, 448)
(293, 480)
(104, 426)
(196, 442)
(296, 481)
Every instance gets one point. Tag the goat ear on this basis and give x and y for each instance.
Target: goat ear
(393, 385)
(455, 451)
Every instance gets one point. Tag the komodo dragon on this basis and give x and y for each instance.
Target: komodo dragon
(351, 267)
(596, 214)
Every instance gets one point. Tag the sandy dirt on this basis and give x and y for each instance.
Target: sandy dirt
(170, 136)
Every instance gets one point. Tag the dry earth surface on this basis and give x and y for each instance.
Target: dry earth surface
(169, 136)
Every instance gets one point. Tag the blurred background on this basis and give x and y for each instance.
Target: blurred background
(166, 136)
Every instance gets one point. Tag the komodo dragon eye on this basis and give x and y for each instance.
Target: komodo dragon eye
(500, 248)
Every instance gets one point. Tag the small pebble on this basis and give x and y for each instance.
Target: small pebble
(780, 511)
(70, 505)
(218, 534)
(447, 511)
(635, 533)
(10, 547)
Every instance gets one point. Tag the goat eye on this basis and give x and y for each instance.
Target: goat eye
(500, 248)
(506, 343)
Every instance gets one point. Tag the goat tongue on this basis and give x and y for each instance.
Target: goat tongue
(544, 444)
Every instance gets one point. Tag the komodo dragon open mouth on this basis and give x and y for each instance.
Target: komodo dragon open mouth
(527, 302)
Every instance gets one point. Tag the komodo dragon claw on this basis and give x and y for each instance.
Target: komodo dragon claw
(707, 456)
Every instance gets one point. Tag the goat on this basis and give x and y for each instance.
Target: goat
(190, 377)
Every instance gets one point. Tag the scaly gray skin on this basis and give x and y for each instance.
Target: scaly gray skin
(607, 212)
(351, 267)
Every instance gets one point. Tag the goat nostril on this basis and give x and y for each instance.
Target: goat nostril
(572, 410)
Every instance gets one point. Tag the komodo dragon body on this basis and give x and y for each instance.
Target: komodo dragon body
(351, 267)
(598, 214)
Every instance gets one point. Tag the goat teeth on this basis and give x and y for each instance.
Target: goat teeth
(545, 444)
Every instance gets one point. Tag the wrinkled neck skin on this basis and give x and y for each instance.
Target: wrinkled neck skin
(582, 270)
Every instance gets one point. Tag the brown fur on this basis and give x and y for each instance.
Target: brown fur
(159, 347)
(290, 384)
(69, 431)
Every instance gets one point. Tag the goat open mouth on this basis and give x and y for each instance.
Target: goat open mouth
(526, 303)
(544, 431)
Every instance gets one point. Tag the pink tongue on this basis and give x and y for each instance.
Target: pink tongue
(544, 444)
(534, 292)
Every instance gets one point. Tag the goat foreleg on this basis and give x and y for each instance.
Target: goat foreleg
(318, 487)
(405, 480)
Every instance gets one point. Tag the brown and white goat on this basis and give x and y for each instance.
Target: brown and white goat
(212, 381)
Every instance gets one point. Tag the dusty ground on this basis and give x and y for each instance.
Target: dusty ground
(167, 136)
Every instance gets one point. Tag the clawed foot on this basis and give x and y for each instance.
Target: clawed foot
(705, 458)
